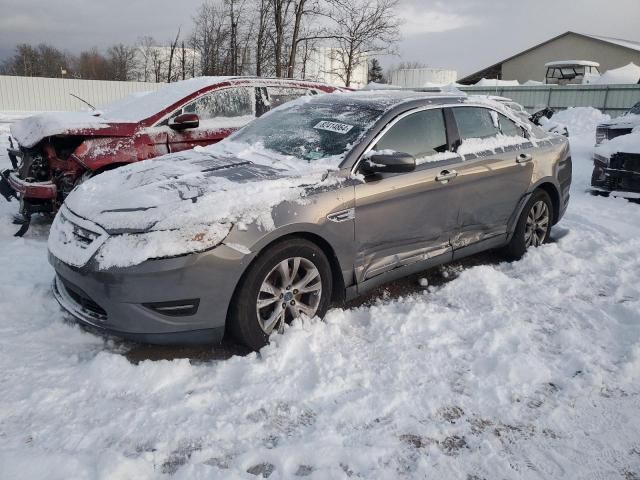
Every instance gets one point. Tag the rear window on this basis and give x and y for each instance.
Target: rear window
(476, 122)
(509, 128)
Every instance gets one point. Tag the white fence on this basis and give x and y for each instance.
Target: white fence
(611, 99)
(28, 94)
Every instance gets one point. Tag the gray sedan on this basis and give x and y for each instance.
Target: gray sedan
(316, 202)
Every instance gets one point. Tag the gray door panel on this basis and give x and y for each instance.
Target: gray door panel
(491, 185)
(403, 219)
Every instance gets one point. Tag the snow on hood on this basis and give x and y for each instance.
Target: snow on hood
(29, 131)
(624, 143)
(182, 202)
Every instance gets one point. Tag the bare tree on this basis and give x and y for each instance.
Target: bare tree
(122, 60)
(363, 28)
(211, 37)
(145, 46)
(172, 51)
(157, 64)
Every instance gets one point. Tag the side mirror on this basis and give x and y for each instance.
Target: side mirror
(184, 121)
(396, 162)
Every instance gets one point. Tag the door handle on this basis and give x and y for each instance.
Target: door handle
(446, 175)
(524, 158)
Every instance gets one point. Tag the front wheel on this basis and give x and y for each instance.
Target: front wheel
(287, 280)
(533, 227)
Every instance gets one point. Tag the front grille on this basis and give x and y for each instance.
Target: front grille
(625, 161)
(83, 300)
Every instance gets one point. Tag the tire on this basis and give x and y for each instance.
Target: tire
(536, 210)
(266, 282)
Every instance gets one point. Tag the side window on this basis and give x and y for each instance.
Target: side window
(280, 95)
(421, 134)
(230, 102)
(476, 122)
(509, 128)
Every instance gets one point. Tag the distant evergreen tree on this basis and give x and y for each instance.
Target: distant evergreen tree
(375, 71)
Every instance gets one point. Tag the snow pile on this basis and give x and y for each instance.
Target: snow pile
(492, 82)
(629, 74)
(625, 143)
(532, 83)
(580, 120)
(528, 370)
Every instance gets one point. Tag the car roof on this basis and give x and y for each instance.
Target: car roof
(387, 99)
(154, 103)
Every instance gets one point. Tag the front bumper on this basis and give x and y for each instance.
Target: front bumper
(117, 301)
(30, 190)
(618, 176)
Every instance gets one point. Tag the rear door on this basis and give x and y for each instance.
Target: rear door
(221, 112)
(492, 174)
(409, 217)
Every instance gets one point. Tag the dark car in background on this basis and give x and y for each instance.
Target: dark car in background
(616, 161)
(316, 202)
(56, 151)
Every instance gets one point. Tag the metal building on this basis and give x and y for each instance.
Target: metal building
(530, 64)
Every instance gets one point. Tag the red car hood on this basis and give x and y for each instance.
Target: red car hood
(29, 131)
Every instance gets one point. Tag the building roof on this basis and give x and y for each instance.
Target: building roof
(629, 44)
(616, 41)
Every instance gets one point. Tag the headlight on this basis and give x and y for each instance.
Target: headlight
(129, 249)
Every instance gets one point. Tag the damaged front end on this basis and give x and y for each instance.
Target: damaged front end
(617, 175)
(40, 177)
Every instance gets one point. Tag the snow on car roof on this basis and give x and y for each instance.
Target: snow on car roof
(568, 63)
(147, 105)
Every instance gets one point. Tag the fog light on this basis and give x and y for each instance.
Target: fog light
(177, 308)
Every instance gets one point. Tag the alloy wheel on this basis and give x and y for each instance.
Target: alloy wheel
(292, 288)
(537, 224)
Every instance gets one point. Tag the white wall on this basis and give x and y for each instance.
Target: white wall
(322, 67)
(29, 94)
(418, 77)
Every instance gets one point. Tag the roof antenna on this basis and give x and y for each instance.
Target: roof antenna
(95, 110)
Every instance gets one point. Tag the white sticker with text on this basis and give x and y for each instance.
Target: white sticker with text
(333, 126)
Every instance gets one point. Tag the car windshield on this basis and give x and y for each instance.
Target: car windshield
(635, 110)
(311, 130)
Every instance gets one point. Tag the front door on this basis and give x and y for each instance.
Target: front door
(409, 217)
(493, 174)
(221, 113)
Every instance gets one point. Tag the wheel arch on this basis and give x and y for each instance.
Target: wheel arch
(338, 293)
(554, 194)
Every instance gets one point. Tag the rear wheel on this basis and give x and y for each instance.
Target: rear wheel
(533, 227)
(287, 280)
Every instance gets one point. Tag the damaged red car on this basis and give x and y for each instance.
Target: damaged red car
(51, 153)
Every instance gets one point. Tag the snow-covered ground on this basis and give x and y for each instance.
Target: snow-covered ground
(511, 370)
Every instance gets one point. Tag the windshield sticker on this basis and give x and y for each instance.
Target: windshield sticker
(333, 127)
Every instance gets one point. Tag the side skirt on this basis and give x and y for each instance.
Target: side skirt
(400, 272)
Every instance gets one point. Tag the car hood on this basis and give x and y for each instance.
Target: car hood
(185, 189)
(625, 121)
(31, 130)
